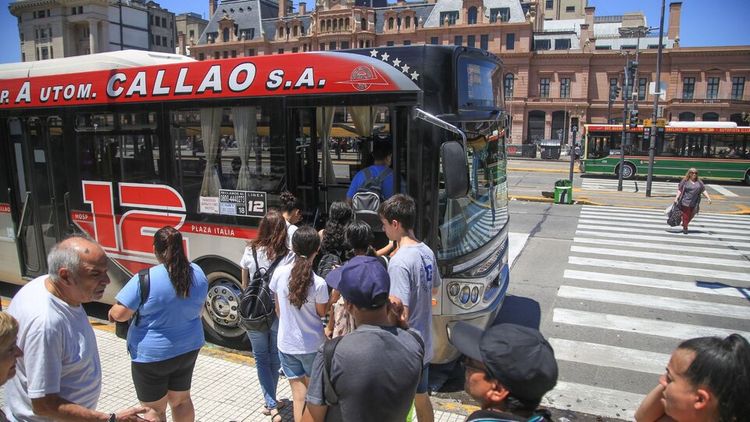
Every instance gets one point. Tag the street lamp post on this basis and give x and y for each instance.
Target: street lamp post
(573, 130)
(655, 113)
(625, 95)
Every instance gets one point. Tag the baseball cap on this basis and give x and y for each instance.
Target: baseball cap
(362, 281)
(517, 356)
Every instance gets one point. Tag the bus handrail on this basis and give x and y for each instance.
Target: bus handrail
(23, 215)
(421, 114)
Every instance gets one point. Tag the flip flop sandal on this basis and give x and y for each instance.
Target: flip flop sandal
(276, 416)
(279, 405)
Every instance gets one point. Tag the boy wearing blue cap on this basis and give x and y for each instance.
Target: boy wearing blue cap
(373, 372)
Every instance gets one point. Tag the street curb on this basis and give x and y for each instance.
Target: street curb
(540, 170)
(530, 198)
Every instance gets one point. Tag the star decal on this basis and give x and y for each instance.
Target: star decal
(405, 68)
(414, 75)
(373, 53)
(385, 57)
(397, 62)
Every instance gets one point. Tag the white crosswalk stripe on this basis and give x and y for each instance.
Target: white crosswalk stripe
(632, 290)
(657, 188)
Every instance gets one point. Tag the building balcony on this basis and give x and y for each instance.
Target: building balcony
(691, 101)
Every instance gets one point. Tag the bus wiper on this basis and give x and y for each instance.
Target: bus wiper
(429, 118)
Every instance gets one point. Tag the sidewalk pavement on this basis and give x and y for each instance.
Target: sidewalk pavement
(225, 385)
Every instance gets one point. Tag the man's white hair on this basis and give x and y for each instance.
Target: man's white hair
(63, 255)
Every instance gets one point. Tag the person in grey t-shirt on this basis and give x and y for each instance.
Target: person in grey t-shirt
(689, 196)
(375, 369)
(414, 279)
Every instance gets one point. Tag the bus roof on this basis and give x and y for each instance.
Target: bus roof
(300, 74)
(90, 62)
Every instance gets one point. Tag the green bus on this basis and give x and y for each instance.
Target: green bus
(719, 150)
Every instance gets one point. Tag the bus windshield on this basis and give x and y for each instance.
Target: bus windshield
(468, 223)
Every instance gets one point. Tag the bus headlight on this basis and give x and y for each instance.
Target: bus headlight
(465, 295)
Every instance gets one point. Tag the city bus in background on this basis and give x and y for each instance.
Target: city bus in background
(117, 145)
(719, 150)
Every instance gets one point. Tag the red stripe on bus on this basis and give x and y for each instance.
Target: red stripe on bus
(85, 219)
(5, 208)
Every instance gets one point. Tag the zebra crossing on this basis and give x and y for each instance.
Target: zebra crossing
(639, 186)
(632, 290)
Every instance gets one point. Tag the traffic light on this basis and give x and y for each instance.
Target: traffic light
(632, 68)
(634, 117)
(614, 92)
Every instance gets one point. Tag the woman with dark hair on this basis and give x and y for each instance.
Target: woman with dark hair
(359, 236)
(707, 379)
(165, 342)
(333, 246)
(291, 209)
(261, 252)
(689, 196)
(301, 299)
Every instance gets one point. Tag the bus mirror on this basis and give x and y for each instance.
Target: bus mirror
(455, 169)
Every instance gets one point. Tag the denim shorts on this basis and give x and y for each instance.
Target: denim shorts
(297, 366)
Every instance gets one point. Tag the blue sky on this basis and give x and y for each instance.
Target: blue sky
(704, 22)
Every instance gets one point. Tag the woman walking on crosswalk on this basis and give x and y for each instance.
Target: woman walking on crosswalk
(689, 196)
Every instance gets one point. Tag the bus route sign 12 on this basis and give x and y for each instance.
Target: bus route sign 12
(242, 203)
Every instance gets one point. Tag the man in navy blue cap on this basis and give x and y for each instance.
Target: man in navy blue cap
(370, 374)
(509, 368)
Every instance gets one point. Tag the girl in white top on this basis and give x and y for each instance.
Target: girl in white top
(301, 299)
(270, 245)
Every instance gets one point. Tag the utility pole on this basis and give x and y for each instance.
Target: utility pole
(573, 130)
(655, 114)
(625, 95)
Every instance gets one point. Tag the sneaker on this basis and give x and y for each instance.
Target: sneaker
(684, 230)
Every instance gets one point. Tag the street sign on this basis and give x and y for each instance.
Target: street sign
(647, 123)
(661, 122)
(662, 90)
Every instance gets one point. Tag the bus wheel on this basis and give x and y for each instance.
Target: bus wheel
(220, 311)
(628, 171)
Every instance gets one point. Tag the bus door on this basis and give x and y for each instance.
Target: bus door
(37, 189)
(303, 164)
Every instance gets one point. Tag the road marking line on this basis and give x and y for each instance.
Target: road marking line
(722, 190)
(660, 246)
(689, 259)
(642, 211)
(669, 239)
(594, 400)
(658, 283)
(660, 229)
(609, 356)
(649, 327)
(516, 242)
(662, 218)
(642, 266)
(656, 302)
(661, 222)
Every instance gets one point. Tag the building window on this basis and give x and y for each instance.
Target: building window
(192, 34)
(448, 18)
(281, 51)
(738, 87)
(332, 45)
(565, 88)
(570, 9)
(549, 4)
(407, 42)
(344, 45)
(458, 40)
(201, 56)
(251, 52)
(542, 45)
(163, 22)
(390, 23)
(484, 42)
(510, 41)
(688, 88)
(501, 14)
(471, 40)
(225, 54)
(157, 40)
(389, 44)
(80, 10)
(563, 44)
(544, 88)
(472, 15)
(363, 24)
(164, 41)
(508, 85)
(295, 49)
(407, 22)
(434, 41)
(72, 10)
(712, 89)
(225, 35)
(642, 89)
(217, 55)
(234, 53)
(603, 47)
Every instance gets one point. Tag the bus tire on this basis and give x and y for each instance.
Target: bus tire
(628, 171)
(220, 312)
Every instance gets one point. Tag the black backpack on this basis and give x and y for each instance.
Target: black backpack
(144, 284)
(327, 263)
(257, 309)
(369, 196)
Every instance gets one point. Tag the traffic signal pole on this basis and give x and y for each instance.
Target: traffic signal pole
(655, 114)
(626, 94)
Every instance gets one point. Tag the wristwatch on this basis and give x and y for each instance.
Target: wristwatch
(112, 417)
